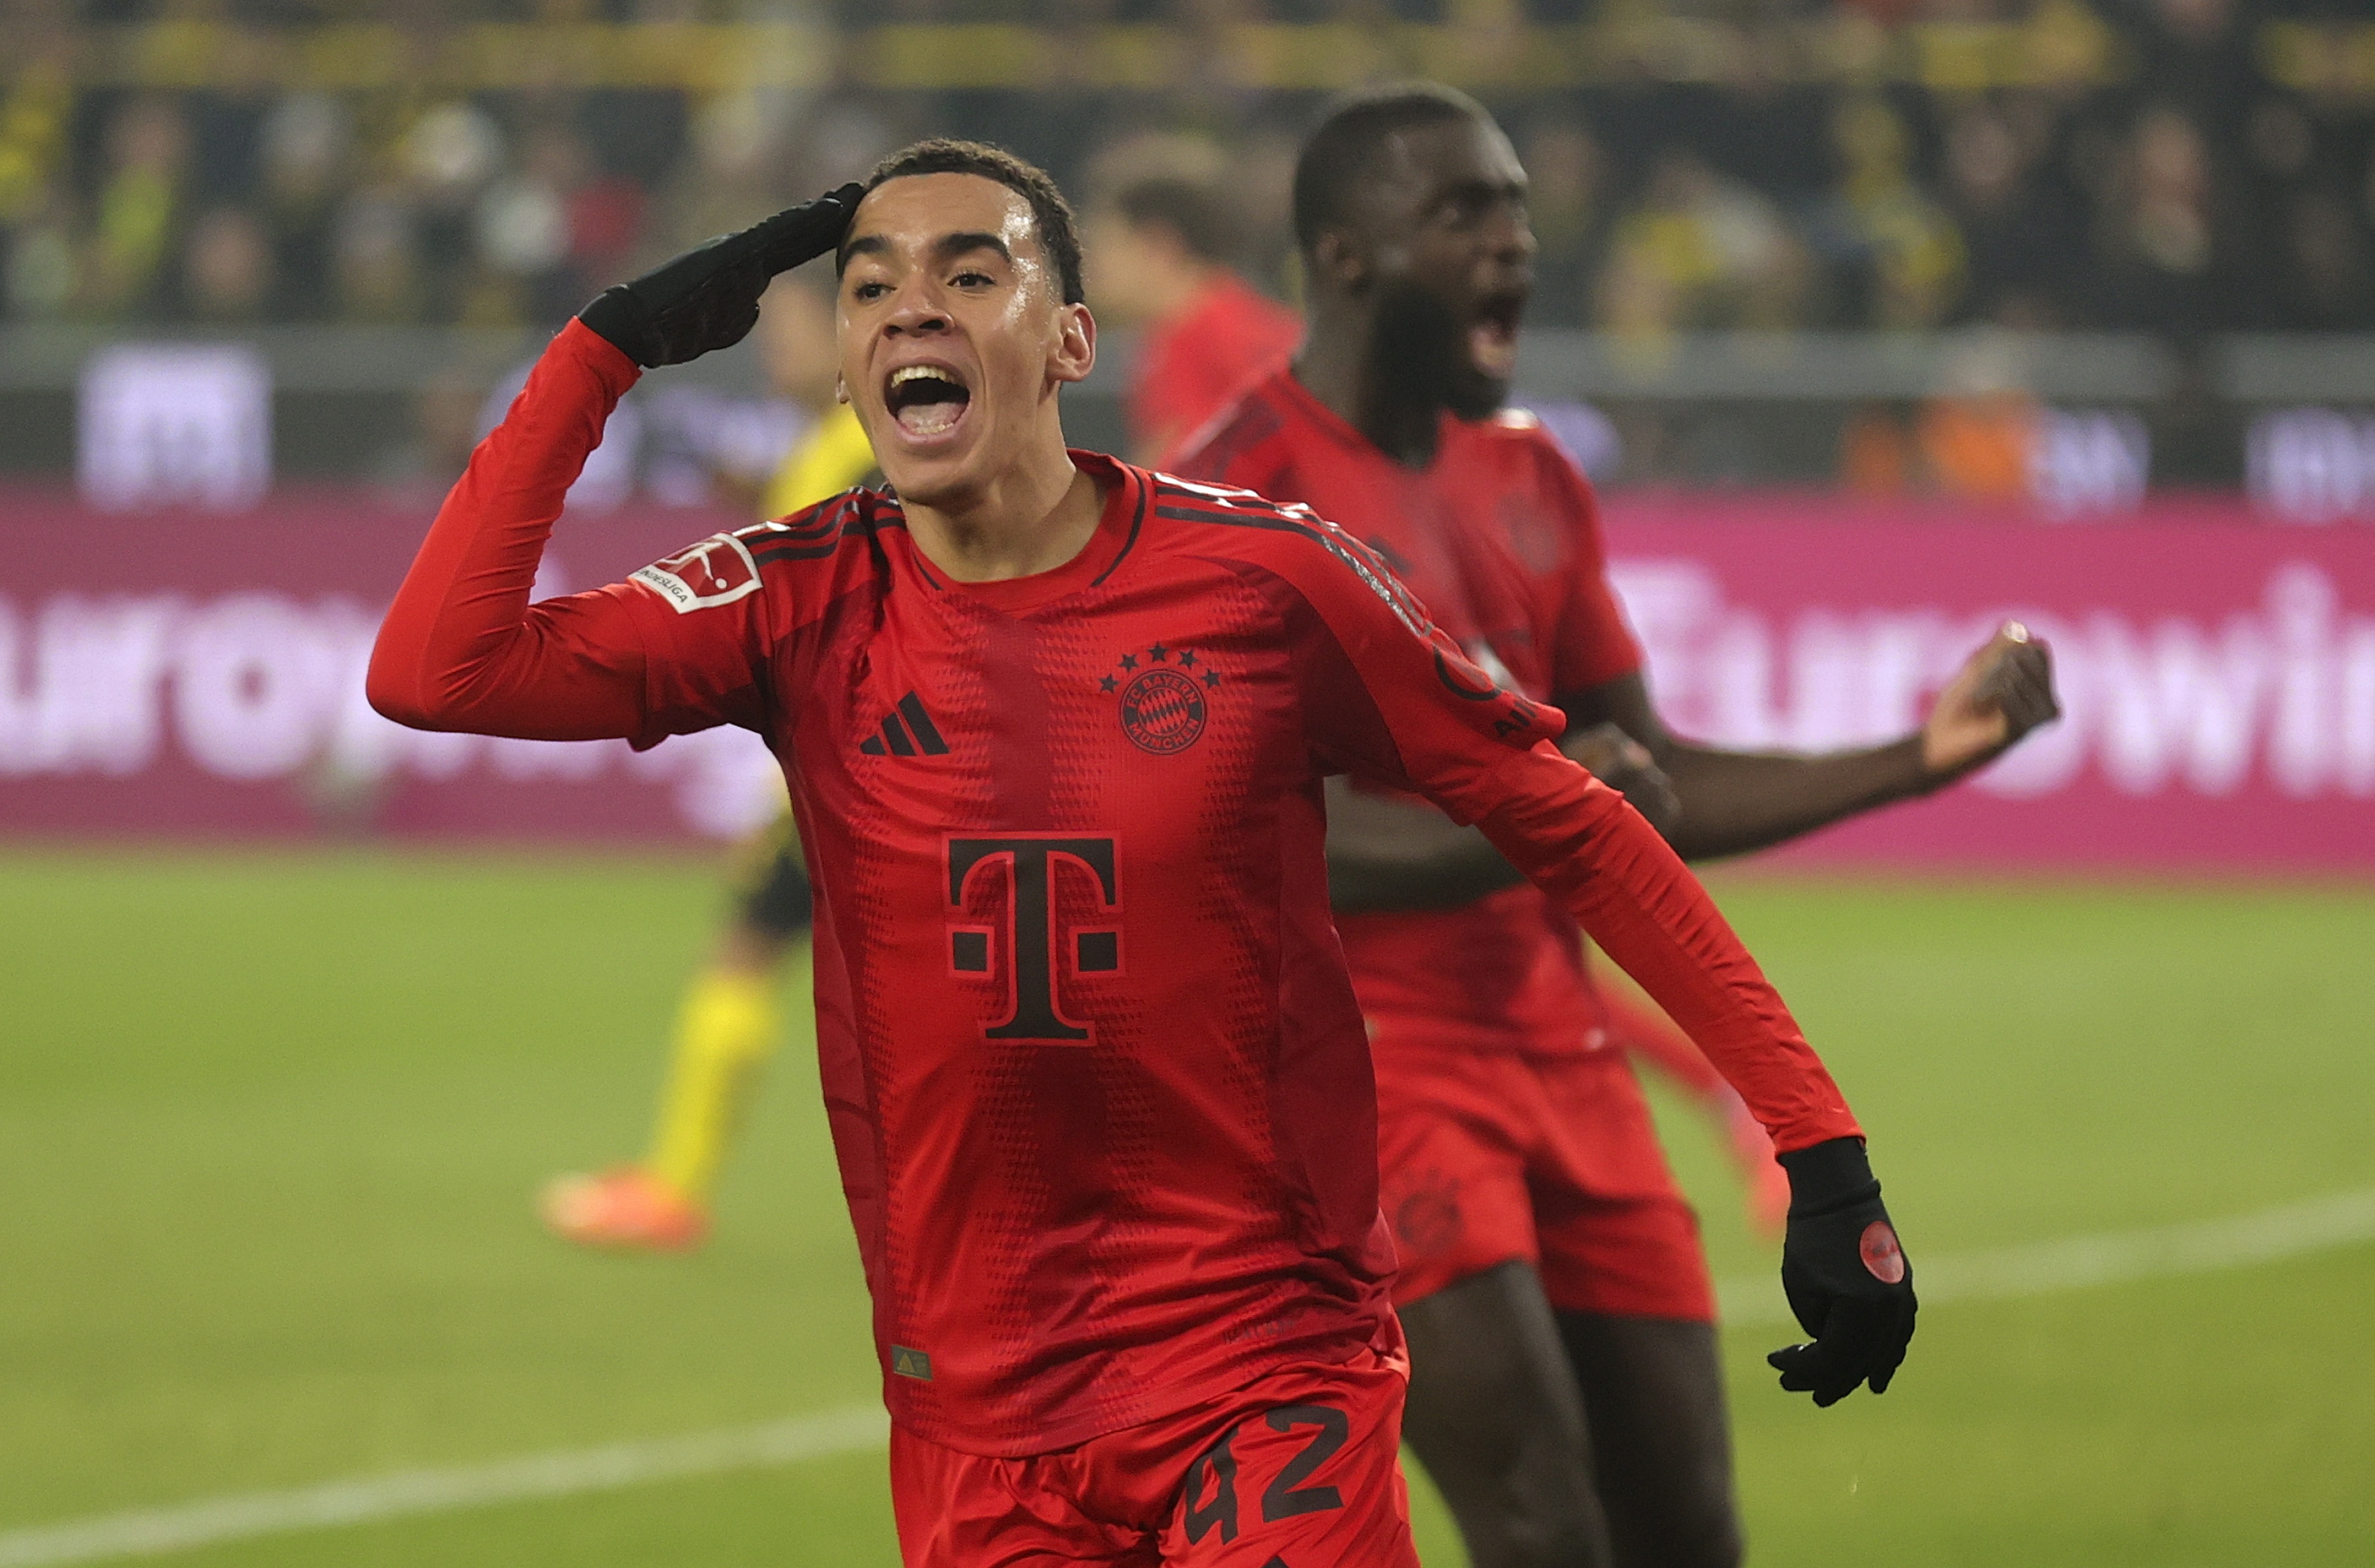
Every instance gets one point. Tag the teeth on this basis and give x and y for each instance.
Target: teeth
(906, 373)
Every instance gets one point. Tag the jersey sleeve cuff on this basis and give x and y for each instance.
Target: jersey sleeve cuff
(608, 362)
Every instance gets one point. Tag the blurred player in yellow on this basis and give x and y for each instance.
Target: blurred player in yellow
(731, 1018)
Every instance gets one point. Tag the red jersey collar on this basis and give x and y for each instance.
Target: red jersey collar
(1290, 388)
(1125, 500)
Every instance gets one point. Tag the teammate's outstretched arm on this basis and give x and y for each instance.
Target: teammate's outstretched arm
(461, 648)
(1388, 854)
(1389, 698)
(1731, 802)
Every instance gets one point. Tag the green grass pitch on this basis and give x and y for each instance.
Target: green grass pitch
(269, 1126)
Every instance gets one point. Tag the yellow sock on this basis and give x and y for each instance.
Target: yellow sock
(724, 1032)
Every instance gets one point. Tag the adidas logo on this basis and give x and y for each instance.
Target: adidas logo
(907, 731)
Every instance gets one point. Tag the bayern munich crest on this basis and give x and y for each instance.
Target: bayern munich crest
(1163, 692)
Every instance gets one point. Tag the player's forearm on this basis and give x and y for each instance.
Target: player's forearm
(1735, 801)
(1579, 841)
(460, 649)
(1384, 855)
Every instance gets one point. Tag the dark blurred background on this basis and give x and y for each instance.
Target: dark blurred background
(1972, 247)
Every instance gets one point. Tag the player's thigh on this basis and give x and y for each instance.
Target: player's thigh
(1613, 1231)
(1453, 1130)
(1495, 1417)
(1652, 1392)
(1307, 1472)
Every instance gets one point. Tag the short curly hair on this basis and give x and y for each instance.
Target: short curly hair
(1059, 235)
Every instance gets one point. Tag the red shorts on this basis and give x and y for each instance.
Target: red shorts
(1300, 1466)
(1496, 1157)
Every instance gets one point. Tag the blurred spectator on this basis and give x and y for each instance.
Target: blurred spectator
(606, 223)
(41, 269)
(1567, 174)
(36, 254)
(303, 153)
(1978, 435)
(2018, 240)
(1700, 250)
(523, 236)
(375, 258)
(147, 150)
(448, 158)
(1975, 437)
(227, 270)
(2195, 191)
(1876, 450)
(2164, 234)
(1902, 247)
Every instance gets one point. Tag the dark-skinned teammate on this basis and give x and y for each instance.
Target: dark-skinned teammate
(1565, 1391)
(1096, 1076)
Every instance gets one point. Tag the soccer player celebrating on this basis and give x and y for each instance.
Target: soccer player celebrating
(1097, 1080)
(1565, 1392)
(1160, 245)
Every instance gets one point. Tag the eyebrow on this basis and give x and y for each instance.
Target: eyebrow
(947, 247)
(1486, 187)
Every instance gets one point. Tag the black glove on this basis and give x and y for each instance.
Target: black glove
(709, 297)
(1847, 1279)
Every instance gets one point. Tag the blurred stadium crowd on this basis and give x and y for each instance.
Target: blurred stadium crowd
(2165, 165)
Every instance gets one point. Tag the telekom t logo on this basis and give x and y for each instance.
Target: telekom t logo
(1030, 862)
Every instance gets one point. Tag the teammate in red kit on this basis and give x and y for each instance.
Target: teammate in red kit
(1565, 1391)
(1159, 249)
(1096, 1078)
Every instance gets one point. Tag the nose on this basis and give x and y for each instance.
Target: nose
(1512, 237)
(916, 311)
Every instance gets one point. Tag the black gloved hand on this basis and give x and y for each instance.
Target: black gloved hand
(1847, 1278)
(708, 298)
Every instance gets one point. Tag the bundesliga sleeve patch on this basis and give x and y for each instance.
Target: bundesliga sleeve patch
(717, 571)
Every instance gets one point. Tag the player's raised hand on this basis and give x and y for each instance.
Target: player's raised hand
(1624, 765)
(2000, 693)
(708, 298)
(1848, 1280)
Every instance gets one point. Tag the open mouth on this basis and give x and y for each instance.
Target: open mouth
(1492, 336)
(926, 400)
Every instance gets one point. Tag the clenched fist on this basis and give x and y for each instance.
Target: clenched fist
(2000, 693)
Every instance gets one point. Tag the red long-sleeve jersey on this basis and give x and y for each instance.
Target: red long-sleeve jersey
(1500, 537)
(1096, 1078)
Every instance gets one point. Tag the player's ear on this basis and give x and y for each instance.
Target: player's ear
(1339, 259)
(1074, 353)
(840, 388)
